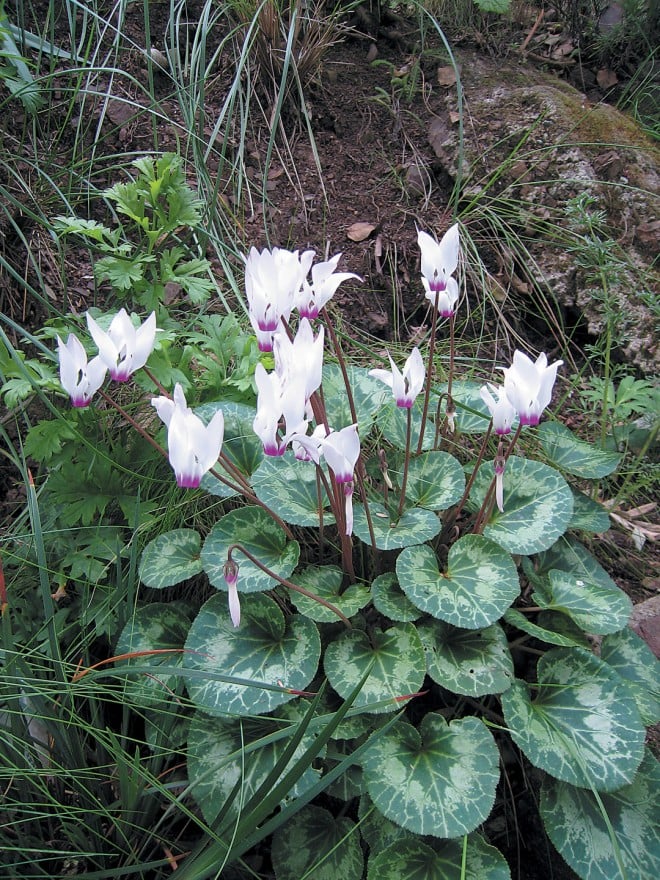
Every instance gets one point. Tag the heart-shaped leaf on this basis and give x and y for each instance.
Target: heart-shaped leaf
(414, 526)
(290, 488)
(435, 480)
(241, 445)
(439, 781)
(573, 582)
(582, 726)
(538, 505)
(632, 658)
(419, 860)
(576, 456)
(610, 837)
(223, 750)
(398, 668)
(153, 628)
(171, 558)
(315, 844)
(390, 600)
(326, 582)
(262, 537)
(264, 650)
(480, 584)
(473, 662)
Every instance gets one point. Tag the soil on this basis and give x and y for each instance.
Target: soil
(379, 169)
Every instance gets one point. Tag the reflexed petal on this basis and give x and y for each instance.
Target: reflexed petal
(234, 604)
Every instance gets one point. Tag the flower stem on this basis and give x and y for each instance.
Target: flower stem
(406, 462)
(285, 583)
(429, 374)
(487, 505)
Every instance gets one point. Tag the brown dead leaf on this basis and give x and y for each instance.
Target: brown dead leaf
(454, 117)
(360, 231)
(446, 76)
(606, 78)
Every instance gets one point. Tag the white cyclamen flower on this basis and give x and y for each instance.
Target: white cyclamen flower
(325, 281)
(439, 262)
(500, 407)
(341, 450)
(80, 379)
(124, 349)
(528, 385)
(300, 357)
(273, 279)
(193, 447)
(407, 385)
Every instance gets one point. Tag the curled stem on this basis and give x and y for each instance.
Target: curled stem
(285, 583)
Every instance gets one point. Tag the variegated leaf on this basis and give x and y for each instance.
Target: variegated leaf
(414, 527)
(615, 836)
(440, 780)
(171, 558)
(582, 726)
(262, 537)
(264, 650)
(576, 456)
(398, 668)
(480, 584)
(315, 844)
(419, 860)
(473, 662)
(538, 505)
(326, 582)
(290, 488)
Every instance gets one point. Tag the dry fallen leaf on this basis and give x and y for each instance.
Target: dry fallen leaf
(360, 231)
(606, 78)
(446, 76)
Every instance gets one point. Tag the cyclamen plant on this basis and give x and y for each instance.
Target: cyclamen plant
(472, 601)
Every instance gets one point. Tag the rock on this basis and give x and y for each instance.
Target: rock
(645, 621)
(536, 143)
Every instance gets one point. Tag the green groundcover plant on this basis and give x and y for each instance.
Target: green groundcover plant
(401, 595)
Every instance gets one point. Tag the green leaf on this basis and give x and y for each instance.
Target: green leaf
(171, 558)
(415, 526)
(223, 750)
(497, 6)
(576, 456)
(632, 658)
(392, 421)
(368, 393)
(398, 668)
(419, 860)
(255, 530)
(439, 781)
(480, 584)
(264, 649)
(613, 837)
(290, 488)
(577, 585)
(315, 844)
(154, 627)
(588, 515)
(467, 661)
(435, 480)
(377, 831)
(45, 438)
(241, 445)
(538, 506)
(326, 581)
(390, 600)
(582, 726)
(522, 622)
